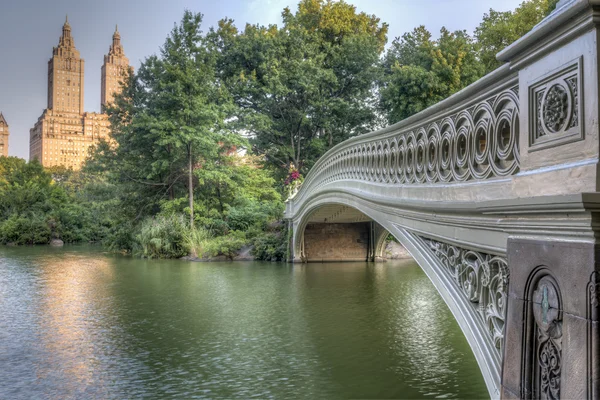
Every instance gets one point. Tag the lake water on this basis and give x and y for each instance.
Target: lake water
(78, 322)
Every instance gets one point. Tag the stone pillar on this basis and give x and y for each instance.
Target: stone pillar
(551, 331)
(379, 236)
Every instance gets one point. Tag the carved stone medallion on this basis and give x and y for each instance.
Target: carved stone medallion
(555, 108)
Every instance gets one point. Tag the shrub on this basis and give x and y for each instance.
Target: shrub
(196, 240)
(25, 229)
(120, 238)
(162, 237)
(271, 246)
(253, 213)
(228, 245)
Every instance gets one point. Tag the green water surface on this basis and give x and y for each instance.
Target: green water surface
(78, 323)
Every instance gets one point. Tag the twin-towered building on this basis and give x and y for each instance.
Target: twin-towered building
(64, 132)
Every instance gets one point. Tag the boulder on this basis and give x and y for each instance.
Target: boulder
(57, 243)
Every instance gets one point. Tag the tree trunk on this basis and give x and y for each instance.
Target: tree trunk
(191, 185)
(219, 197)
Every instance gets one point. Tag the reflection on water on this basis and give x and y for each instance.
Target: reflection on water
(81, 323)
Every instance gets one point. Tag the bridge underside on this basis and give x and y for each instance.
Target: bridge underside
(339, 224)
(338, 233)
(507, 326)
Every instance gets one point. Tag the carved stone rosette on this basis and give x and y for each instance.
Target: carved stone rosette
(555, 111)
(483, 280)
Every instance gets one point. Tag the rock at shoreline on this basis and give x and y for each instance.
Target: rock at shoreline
(57, 243)
(244, 254)
(395, 251)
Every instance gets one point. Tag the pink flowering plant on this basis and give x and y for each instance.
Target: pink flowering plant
(293, 181)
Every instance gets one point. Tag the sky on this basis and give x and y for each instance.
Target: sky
(30, 28)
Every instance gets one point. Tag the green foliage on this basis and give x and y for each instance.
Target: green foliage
(420, 71)
(169, 125)
(271, 245)
(227, 246)
(37, 205)
(162, 237)
(29, 228)
(501, 28)
(196, 240)
(305, 86)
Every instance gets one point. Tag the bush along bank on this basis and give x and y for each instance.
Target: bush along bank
(171, 237)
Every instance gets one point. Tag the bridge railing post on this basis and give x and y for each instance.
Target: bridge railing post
(551, 339)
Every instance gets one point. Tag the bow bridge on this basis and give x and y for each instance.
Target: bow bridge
(494, 192)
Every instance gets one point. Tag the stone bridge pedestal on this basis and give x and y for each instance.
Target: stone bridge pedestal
(551, 332)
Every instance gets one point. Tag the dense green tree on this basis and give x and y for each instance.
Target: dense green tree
(171, 144)
(420, 71)
(169, 123)
(37, 205)
(501, 28)
(305, 86)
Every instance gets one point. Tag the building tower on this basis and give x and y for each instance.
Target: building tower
(64, 133)
(114, 70)
(3, 136)
(65, 75)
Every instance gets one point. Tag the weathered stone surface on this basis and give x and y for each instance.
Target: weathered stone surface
(513, 351)
(395, 251)
(576, 357)
(56, 243)
(336, 242)
(531, 316)
(571, 264)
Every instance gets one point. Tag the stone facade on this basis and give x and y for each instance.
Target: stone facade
(336, 242)
(64, 132)
(552, 334)
(114, 71)
(3, 136)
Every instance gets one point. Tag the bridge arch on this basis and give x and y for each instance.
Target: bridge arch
(472, 283)
(368, 240)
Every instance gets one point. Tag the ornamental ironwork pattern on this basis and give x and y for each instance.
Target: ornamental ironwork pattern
(555, 112)
(593, 339)
(478, 142)
(548, 341)
(482, 279)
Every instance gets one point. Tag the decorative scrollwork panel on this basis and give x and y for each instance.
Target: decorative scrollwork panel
(483, 280)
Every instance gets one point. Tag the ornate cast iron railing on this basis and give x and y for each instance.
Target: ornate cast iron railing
(447, 143)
